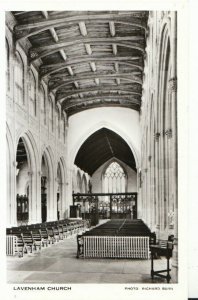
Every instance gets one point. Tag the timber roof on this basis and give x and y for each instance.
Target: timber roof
(88, 58)
(101, 146)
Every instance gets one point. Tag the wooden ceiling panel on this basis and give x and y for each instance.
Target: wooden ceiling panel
(91, 57)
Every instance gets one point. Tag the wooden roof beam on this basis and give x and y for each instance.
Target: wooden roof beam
(76, 84)
(38, 53)
(118, 81)
(93, 66)
(83, 28)
(116, 67)
(92, 105)
(47, 70)
(54, 35)
(45, 14)
(87, 58)
(64, 56)
(65, 95)
(112, 28)
(88, 49)
(114, 46)
(90, 76)
(128, 98)
(35, 27)
(56, 78)
(71, 111)
(69, 69)
(35, 55)
(135, 39)
(97, 81)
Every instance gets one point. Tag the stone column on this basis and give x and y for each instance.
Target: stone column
(38, 194)
(157, 137)
(13, 204)
(173, 95)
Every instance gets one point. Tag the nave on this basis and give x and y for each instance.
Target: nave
(91, 128)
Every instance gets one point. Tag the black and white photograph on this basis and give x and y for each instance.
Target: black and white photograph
(93, 152)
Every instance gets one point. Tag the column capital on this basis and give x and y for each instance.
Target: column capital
(172, 85)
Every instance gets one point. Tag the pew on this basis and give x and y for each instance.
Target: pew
(116, 239)
(29, 238)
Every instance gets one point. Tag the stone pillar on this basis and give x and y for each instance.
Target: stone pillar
(157, 137)
(173, 95)
(13, 204)
(173, 91)
(38, 194)
(32, 202)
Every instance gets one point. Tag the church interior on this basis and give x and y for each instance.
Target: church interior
(91, 146)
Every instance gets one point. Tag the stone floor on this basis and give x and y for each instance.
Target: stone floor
(58, 264)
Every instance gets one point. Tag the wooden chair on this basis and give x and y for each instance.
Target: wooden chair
(162, 248)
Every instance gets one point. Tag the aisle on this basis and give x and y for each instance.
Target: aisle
(58, 264)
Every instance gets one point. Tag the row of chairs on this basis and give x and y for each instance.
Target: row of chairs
(35, 236)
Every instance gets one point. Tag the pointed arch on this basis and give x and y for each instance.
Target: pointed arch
(110, 126)
(33, 169)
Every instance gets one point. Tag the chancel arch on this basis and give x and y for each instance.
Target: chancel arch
(110, 126)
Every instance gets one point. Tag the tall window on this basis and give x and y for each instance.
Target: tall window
(50, 114)
(114, 179)
(42, 105)
(32, 103)
(18, 77)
